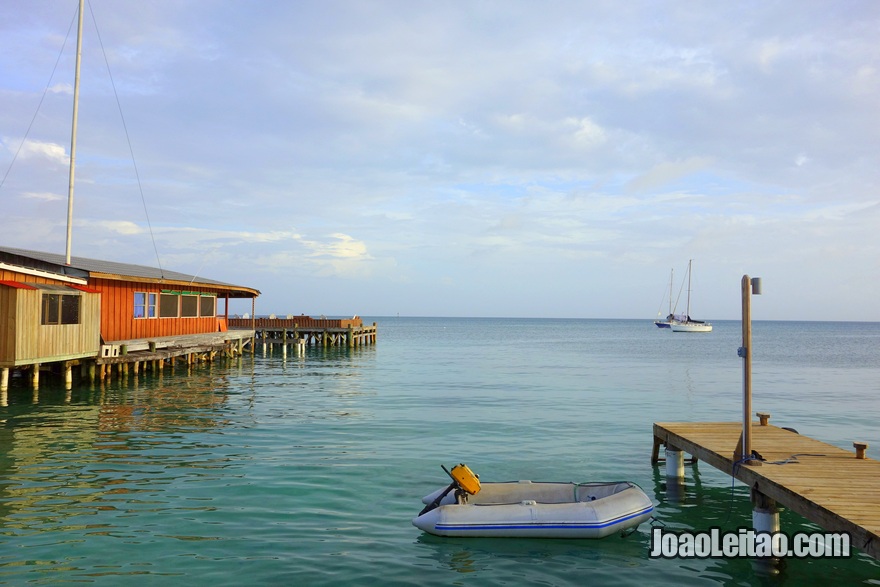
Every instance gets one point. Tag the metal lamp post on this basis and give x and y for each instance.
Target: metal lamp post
(749, 286)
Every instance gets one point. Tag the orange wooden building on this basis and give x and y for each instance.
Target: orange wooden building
(51, 311)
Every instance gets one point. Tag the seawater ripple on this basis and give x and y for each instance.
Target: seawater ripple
(307, 469)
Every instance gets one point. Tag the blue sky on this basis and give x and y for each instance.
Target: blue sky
(480, 158)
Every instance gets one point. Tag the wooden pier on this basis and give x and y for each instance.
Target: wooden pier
(306, 330)
(135, 355)
(834, 488)
(155, 352)
(234, 337)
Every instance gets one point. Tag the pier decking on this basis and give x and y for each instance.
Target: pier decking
(153, 353)
(349, 332)
(823, 483)
(147, 350)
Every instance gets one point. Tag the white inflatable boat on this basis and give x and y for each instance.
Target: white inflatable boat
(534, 510)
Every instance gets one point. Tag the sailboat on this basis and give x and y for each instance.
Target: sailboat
(687, 324)
(670, 317)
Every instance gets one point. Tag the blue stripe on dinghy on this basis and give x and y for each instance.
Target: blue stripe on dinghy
(539, 525)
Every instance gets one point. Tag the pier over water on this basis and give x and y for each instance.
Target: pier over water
(308, 331)
(832, 487)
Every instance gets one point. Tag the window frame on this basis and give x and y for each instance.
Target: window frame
(165, 307)
(147, 304)
(203, 298)
(60, 309)
(189, 305)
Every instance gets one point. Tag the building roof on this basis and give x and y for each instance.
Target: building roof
(84, 268)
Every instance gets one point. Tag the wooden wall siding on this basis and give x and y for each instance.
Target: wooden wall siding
(20, 331)
(118, 321)
(8, 296)
(27, 341)
(67, 341)
(24, 278)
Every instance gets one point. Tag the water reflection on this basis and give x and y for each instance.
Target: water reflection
(75, 459)
(542, 558)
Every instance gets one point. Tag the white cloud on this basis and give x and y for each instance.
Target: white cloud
(120, 227)
(43, 196)
(62, 88)
(586, 132)
(768, 53)
(667, 172)
(341, 246)
(53, 152)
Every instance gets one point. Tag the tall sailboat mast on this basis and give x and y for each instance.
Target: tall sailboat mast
(688, 315)
(73, 130)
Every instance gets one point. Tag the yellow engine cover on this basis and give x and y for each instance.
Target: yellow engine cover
(465, 478)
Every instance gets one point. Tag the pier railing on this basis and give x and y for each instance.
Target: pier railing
(290, 322)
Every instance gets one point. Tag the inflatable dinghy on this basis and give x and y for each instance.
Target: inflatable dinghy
(532, 509)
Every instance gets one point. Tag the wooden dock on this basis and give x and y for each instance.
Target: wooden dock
(230, 339)
(823, 483)
(350, 332)
(153, 353)
(163, 347)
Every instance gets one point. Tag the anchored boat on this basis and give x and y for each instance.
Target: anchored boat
(670, 317)
(532, 509)
(689, 324)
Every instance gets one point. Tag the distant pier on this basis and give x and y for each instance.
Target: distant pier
(834, 488)
(233, 338)
(305, 330)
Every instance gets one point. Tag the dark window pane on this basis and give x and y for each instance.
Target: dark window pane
(51, 309)
(168, 304)
(207, 305)
(70, 309)
(189, 306)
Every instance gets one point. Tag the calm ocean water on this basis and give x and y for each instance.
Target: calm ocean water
(308, 469)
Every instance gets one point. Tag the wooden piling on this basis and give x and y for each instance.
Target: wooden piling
(860, 447)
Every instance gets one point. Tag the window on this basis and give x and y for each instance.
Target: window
(182, 304)
(207, 305)
(60, 309)
(168, 305)
(189, 306)
(144, 305)
(51, 309)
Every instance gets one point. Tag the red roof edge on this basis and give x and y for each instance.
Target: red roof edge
(17, 285)
(83, 288)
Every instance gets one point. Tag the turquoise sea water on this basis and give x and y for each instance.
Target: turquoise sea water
(307, 470)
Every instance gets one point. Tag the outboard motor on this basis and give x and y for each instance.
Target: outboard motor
(464, 481)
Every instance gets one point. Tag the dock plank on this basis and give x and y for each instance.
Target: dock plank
(822, 482)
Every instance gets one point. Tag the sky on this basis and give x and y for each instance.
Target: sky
(465, 158)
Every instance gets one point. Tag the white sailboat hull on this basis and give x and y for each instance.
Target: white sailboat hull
(691, 327)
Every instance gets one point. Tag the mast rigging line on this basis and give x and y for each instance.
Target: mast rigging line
(128, 140)
(30, 126)
(40, 104)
